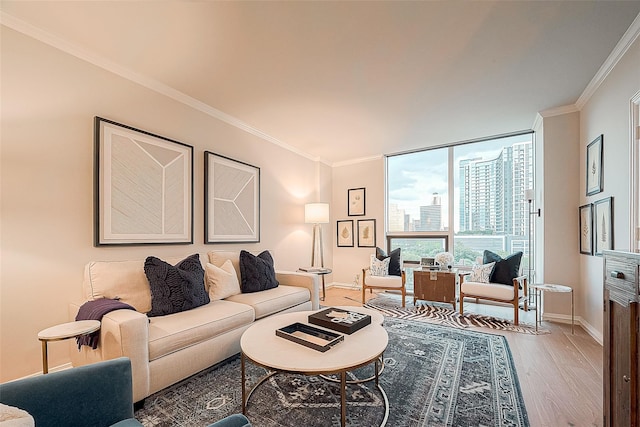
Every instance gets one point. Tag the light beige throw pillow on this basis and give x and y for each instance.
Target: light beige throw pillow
(223, 281)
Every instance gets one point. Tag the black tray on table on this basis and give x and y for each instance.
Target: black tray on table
(353, 322)
(310, 336)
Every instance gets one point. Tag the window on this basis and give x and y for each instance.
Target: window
(463, 199)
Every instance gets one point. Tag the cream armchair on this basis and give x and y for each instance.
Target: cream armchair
(492, 284)
(383, 282)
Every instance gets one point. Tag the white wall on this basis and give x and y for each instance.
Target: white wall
(608, 112)
(49, 99)
(349, 262)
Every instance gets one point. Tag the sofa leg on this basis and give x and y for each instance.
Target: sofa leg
(138, 405)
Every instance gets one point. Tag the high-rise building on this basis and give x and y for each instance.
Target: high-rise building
(431, 215)
(492, 191)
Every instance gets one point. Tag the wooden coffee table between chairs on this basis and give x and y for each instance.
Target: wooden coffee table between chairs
(260, 345)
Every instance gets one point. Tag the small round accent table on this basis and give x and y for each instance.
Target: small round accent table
(62, 332)
(539, 288)
(320, 271)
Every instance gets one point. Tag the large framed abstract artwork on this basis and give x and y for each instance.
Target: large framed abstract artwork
(143, 187)
(232, 200)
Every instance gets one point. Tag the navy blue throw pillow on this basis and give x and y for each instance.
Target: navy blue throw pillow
(257, 273)
(395, 269)
(505, 269)
(175, 288)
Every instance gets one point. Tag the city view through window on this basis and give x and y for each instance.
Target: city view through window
(462, 199)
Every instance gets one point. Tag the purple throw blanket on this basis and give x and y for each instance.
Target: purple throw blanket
(94, 310)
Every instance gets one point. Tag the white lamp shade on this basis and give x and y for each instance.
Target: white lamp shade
(316, 213)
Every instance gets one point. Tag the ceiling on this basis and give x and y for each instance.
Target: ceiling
(341, 81)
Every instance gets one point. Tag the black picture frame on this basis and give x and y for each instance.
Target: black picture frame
(603, 225)
(595, 166)
(586, 229)
(356, 201)
(366, 233)
(344, 233)
(231, 200)
(143, 187)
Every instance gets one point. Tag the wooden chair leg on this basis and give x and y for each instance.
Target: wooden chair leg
(461, 303)
(516, 312)
(364, 293)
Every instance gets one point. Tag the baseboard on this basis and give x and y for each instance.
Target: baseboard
(342, 285)
(564, 318)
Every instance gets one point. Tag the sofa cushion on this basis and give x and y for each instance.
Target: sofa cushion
(395, 263)
(481, 273)
(174, 332)
(505, 269)
(222, 281)
(273, 300)
(383, 281)
(257, 273)
(488, 290)
(175, 288)
(123, 280)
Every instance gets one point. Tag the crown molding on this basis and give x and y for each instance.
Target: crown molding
(59, 43)
(618, 52)
(357, 161)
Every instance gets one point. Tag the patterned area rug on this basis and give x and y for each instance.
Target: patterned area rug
(390, 305)
(433, 376)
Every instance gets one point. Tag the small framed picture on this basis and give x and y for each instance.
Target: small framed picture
(586, 229)
(345, 233)
(594, 166)
(356, 202)
(367, 233)
(603, 225)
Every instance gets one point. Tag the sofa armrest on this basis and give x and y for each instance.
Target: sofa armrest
(303, 280)
(94, 395)
(123, 333)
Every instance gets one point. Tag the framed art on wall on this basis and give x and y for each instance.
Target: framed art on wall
(143, 187)
(586, 229)
(595, 166)
(367, 233)
(232, 200)
(603, 225)
(356, 202)
(345, 233)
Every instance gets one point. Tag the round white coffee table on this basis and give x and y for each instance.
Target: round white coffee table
(62, 332)
(260, 345)
(542, 287)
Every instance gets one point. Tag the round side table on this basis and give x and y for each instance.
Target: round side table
(539, 288)
(62, 332)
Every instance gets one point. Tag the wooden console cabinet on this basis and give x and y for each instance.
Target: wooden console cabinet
(439, 286)
(620, 330)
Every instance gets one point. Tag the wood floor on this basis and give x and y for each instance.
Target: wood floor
(560, 374)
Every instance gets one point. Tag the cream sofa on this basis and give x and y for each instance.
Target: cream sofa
(167, 349)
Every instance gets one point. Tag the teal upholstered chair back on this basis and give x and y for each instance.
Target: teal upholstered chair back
(93, 395)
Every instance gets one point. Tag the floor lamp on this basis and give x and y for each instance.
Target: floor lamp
(529, 196)
(316, 214)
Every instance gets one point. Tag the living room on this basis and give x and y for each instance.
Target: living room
(53, 88)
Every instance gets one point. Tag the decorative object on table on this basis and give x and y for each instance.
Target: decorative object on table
(344, 233)
(232, 200)
(594, 166)
(344, 321)
(316, 214)
(418, 350)
(603, 225)
(444, 260)
(310, 336)
(586, 229)
(143, 187)
(356, 202)
(367, 233)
